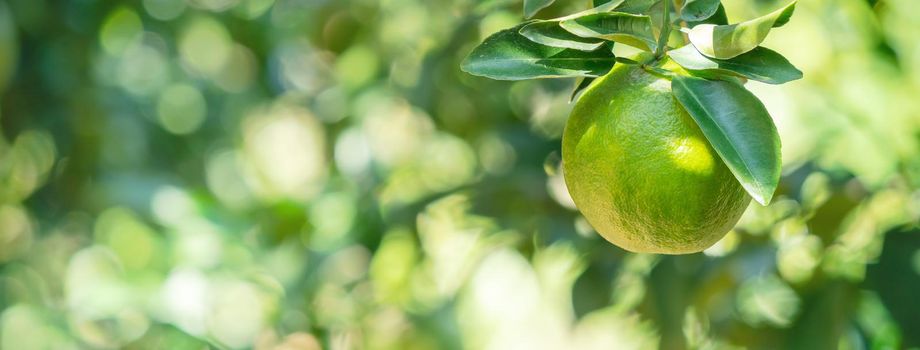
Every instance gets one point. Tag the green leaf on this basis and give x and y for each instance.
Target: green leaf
(551, 34)
(507, 55)
(605, 7)
(636, 6)
(629, 29)
(727, 41)
(761, 64)
(698, 10)
(739, 128)
(719, 18)
(531, 7)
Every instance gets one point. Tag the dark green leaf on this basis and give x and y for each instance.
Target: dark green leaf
(727, 41)
(761, 64)
(629, 29)
(582, 84)
(551, 34)
(531, 7)
(739, 128)
(719, 18)
(507, 55)
(698, 10)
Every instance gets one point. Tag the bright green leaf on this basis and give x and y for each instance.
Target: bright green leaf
(739, 128)
(551, 34)
(531, 7)
(698, 10)
(761, 64)
(629, 29)
(727, 41)
(605, 7)
(507, 55)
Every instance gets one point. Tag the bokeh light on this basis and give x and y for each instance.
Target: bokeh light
(285, 174)
(181, 109)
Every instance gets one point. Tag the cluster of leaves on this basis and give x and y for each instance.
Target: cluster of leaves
(714, 59)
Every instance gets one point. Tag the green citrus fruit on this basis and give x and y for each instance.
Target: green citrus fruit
(640, 170)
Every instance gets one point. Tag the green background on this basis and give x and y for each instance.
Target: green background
(305, 174)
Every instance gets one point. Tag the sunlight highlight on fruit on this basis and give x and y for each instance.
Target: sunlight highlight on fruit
(691, 153)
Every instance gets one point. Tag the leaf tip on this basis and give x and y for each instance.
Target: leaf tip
(466, 64)
(785, 14)
(531, 7)
(761, 195)
(570, 25)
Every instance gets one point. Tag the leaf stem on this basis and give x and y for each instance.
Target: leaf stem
(679, 9)
(664, 73)
(665, 30)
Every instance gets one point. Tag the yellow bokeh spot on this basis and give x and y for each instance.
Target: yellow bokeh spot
(121, 29)
(724, 246)
(392, 266)
(357, 66)
(206, 46)
(16, 230)
(164, 10)
(252, 9)
(132, 242)
(285, 156)
(181, 109)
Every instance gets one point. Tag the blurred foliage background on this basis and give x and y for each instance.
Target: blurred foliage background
(306, 174)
